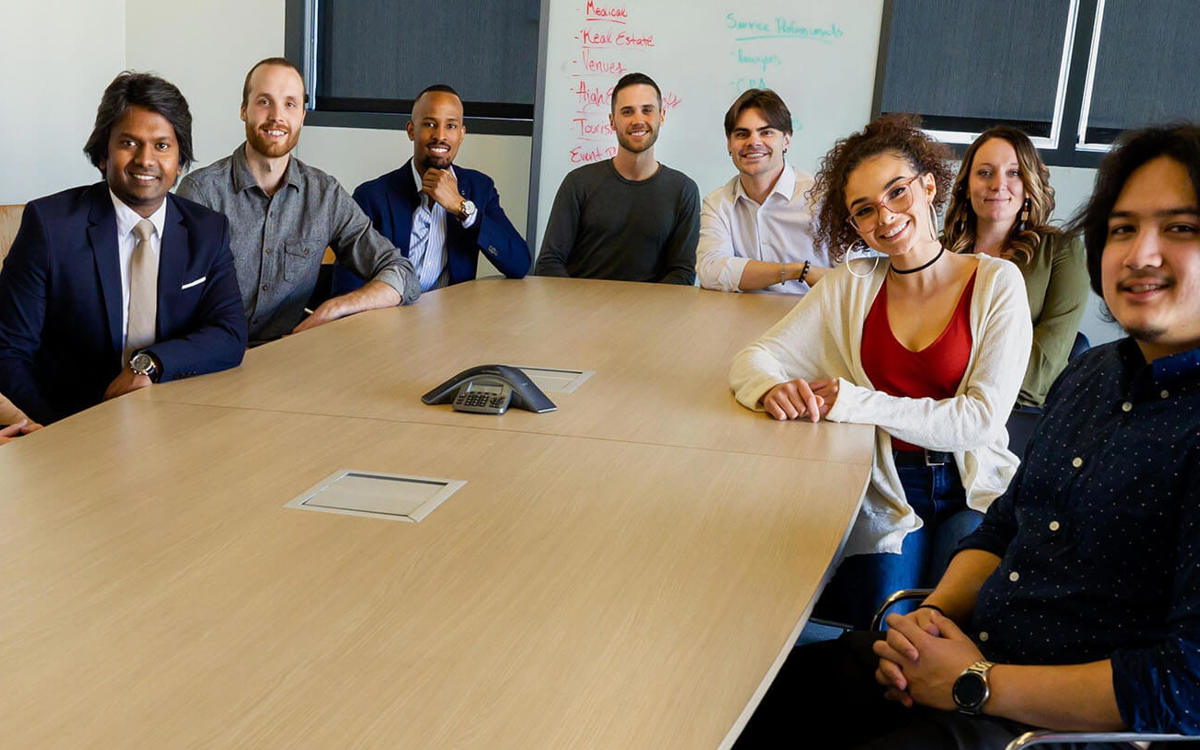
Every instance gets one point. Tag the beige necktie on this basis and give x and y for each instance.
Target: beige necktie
(143, 291)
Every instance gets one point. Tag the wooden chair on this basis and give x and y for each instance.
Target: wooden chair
(10, 221)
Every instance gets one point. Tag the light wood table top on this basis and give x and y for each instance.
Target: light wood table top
(576, 593)
(661, 353)
(626, 572)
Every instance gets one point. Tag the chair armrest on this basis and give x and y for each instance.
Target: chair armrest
(902, 595)
(1042, 736)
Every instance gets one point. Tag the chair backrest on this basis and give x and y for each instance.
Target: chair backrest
(10, 221)
(1021, 423)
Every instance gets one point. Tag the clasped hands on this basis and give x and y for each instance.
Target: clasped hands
(921, 657)
(801, 398)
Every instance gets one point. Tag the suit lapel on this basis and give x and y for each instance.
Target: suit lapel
(402, 212)
(102, 235)
(172, 261)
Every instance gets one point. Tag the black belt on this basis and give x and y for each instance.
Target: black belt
(923, 458)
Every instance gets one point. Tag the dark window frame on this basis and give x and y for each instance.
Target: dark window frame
(1065, 154)
(381, 114)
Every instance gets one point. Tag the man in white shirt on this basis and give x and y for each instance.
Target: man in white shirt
(756, 231)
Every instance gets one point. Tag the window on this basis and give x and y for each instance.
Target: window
(365, 60)
(1071, 73)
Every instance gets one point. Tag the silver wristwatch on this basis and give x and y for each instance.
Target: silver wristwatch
(971, 690)
(141, 363)
(466, 210)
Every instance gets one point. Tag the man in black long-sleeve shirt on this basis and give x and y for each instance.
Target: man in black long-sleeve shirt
(1076, 605)
(628, 218)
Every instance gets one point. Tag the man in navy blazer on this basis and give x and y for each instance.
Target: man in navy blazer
(74, 329)
(440, 216)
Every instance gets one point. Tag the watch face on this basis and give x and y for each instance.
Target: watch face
(468, 207)
(141, 364)
(970, 689)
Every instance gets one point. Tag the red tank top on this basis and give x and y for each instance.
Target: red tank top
(934, 372)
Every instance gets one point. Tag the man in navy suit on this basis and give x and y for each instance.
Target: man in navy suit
(111, 287)
(439, 215)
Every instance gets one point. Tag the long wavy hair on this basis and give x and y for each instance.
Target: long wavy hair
(1023, 237)
(892, 133)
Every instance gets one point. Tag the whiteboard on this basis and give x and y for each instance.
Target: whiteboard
(819, 55)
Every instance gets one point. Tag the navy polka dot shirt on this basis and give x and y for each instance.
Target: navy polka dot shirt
(1099, 535)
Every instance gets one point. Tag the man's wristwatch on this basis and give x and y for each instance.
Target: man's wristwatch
(466, 210)
(143, 363)
(971, 689)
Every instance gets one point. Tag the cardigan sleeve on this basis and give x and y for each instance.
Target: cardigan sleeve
(972, 418)
(801, 345)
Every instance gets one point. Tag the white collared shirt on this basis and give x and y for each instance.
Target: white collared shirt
(127, 219)
(435, 248)
(734, 229)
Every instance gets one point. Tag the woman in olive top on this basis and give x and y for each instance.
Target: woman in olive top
(1000, 205)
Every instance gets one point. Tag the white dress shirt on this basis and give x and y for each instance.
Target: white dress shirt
(127, 219)
(734, 229)
(433, 266)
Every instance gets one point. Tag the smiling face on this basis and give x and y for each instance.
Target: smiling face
(890, 203)
(436, 130)
(756, 147)
(143, 159)
(274, 110)
(995, 187)
(636, 117)
(1150, 267)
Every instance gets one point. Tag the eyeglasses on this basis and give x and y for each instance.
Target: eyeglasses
(899, 198)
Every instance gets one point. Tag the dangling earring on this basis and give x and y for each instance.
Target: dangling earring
(1024, 216)
(933, 221)
(859, 246)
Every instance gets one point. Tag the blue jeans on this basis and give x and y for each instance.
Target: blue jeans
(862, 582)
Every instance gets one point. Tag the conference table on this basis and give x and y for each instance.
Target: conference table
(628, 571)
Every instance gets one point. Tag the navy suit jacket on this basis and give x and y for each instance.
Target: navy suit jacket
(391, 199)
(61, 301)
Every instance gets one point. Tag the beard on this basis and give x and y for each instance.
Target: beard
(269, 148)
(635, 148)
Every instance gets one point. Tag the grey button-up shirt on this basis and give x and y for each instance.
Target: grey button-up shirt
(278, 240)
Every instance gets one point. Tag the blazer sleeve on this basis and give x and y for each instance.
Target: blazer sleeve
(23, 299)
(1063, 308)
(216, 337)
(974, 416)
(496, 237)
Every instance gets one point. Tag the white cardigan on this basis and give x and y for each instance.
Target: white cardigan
(822, 337)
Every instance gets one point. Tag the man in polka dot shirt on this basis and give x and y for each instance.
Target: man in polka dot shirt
(1076, 604)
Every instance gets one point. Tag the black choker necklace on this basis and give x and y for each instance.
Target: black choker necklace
(919, 268)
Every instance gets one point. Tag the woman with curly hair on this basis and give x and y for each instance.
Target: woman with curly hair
(1000, 205)
(928, 346)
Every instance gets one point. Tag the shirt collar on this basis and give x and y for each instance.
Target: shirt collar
(1184, 365)
(127, 218)
(784, 186)
(243, 178)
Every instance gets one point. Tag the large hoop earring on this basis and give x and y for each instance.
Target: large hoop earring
(859, 246)
(933, 222)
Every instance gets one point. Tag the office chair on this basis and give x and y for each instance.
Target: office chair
(1080, 346)
(1037, 736)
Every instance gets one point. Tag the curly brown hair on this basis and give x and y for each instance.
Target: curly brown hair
(1023, 239)
(896, 133)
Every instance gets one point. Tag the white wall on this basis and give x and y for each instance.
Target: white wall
(56, 57)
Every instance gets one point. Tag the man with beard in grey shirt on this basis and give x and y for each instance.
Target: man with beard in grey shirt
(283, 213)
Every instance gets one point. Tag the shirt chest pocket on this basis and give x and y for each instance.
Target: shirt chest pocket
(301, 259)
